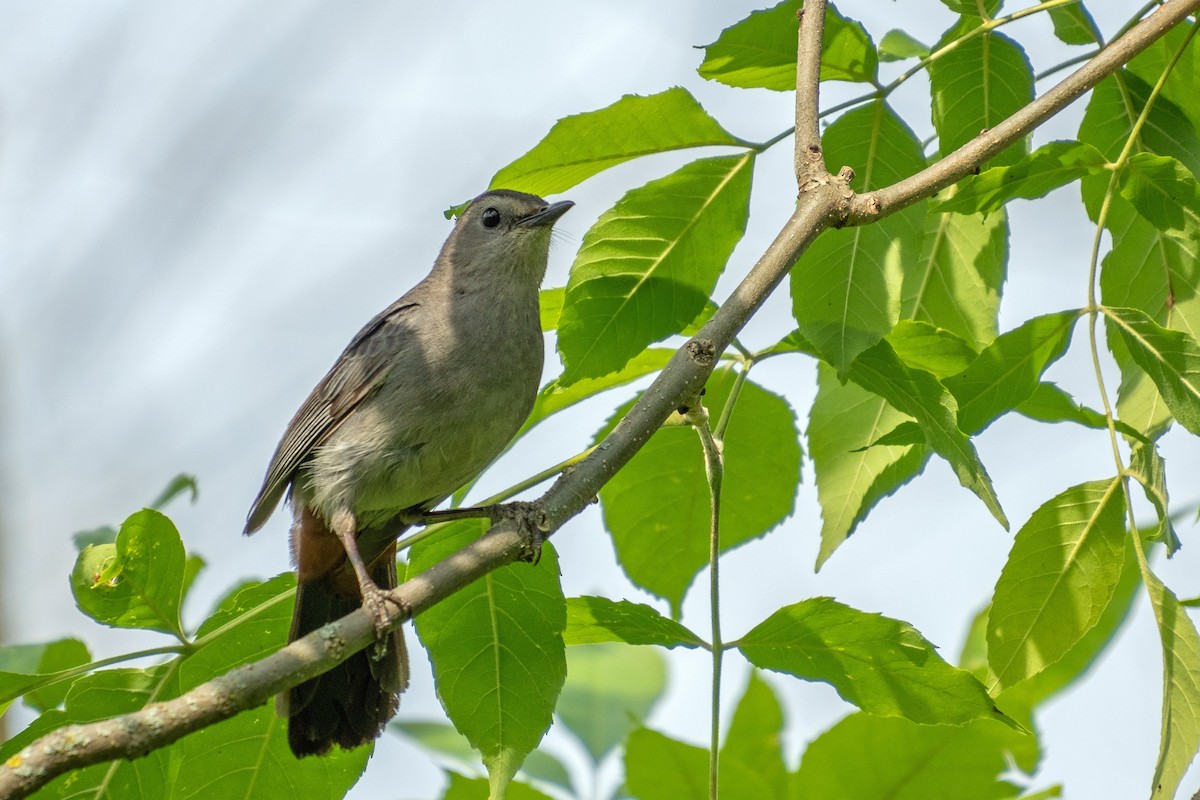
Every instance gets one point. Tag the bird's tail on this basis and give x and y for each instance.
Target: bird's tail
(351, 704)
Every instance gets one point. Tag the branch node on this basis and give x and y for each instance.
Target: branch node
(702, 351)
(846, 174)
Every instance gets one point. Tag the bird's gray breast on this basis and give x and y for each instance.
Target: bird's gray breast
(454, 394)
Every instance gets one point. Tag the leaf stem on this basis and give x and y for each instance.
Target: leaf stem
(714, 468)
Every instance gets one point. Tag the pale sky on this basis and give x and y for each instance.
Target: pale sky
(201, 203)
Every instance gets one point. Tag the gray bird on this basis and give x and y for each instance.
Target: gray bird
(420, 402)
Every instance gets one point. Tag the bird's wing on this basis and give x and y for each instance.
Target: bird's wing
(359, 371)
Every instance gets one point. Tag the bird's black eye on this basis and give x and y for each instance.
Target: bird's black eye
(491, 218)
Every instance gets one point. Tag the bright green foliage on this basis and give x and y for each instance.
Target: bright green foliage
(956, 282)
(1036, 175)
(881, 665)
(578, 147)
(760, 51)
(611, 691)
(896, 45)
(1146, 269)
(920, 395)
(971, 8)
(1049, 403)
(843, 421)
(648, 265)
(900, 318)
(1181, 688)
(870, 756)
(463, 788)
(22, 666)
(497, 650)
(1073, 24)
(598, 619)
(1008, 371)
(137, 582)
(846, 288)
(1170, 358)
(751, 760)
(1164, 192)
(657, 506)
(976, 85)
(1147, 467)
(929, 348)
(555, 396)
(1060, 576)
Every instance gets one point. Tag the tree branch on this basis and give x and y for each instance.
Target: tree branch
(824, 201)
(808, 89)
(973, 154)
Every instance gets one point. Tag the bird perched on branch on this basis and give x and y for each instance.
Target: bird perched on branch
(420, 402)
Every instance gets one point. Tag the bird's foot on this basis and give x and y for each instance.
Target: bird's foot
(376, 602)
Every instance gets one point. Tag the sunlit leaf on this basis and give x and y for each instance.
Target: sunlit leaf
(649, 264)
(760, 50)
(883, 666)
(579, 146)
(1060, 576)
(846, 287)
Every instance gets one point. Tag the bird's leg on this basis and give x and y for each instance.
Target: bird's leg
(493, 513)
(373, 598)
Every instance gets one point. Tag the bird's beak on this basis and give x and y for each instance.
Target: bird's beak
(549, 214)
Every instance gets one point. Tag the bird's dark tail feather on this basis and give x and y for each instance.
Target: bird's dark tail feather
(351, 704)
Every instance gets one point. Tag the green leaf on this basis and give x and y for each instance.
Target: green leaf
(250, 624)
(597, 619)
(1073, 24)
(760, 50)
(1049, 403)
(884, 757)
(920, 395)
(1182, 75)
(657, 507)
(1060, 576)
(555, 397)
(752, 757)
(897, 45)
(1146, 268)
(463, 788)
(23, 666)
(1050, 167)
(1009, 370)
(1164, 191)
(1181, 688)
(977, 85)
(935, 350)
(956, 282)
(180, 484)
(883, 666)
(904, 433)
(648, 265)
(610, 690)
(441, 740)
(1147, 467)
(1029, 694)
(660, 768)
(97, 696)
(137, 582)
(845, 420)
(550, 303)
(261, 764)
(579, 146)
(496, 648)
(970, 8)
(1170, 358)
(846, 288)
